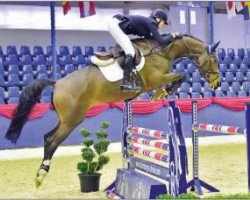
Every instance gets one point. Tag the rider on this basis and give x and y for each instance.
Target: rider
(121, 26)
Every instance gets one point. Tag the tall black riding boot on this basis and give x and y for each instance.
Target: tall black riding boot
(126, 84)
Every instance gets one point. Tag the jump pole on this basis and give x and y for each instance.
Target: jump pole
(196, 183)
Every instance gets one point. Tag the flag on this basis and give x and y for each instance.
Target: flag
(86, 8)
(246, 10)
(231, 9)
(66, 7)
(239, 5)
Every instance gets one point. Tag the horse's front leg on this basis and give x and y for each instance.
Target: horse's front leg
(171, 82)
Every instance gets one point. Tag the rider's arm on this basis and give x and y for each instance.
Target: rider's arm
(162, 40)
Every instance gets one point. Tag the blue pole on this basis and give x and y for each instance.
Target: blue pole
(211, 22)
(53, 37)
(248, 143)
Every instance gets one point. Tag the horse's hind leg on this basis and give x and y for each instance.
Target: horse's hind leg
(51, 141)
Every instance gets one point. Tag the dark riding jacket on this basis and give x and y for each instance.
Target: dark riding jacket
(143, 27)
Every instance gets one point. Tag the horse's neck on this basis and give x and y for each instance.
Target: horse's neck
(187, 46)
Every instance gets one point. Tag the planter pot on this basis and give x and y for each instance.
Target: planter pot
(89, 182)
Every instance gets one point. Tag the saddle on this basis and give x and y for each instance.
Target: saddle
(103, 59)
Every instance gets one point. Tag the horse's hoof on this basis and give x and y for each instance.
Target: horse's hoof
(40, 177)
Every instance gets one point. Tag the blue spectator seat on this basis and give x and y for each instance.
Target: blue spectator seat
(27, 79)
(231, 94)
(229, 77)
(2, 81)
(1, 52)
(196, 77)
(180, 68)
(219, 93)
(76, 51)
(233, 67)
(248, 52)
(39, 60)
(38, 50)
(13, 80)
(242, 93)
(88, 61)
(47, 91)
(56, 70)
(66, 60)
(237, 61)
(101, 49)
(185, 61)
(185, 87)
(236, 87)
(241, 53)
(11, 50)
(57, 76)
(1, 68)
(89, 51)
(42, 76)
(225, 87)
(207, 94)
(207, 88)
(13, 69)
(227, 61)
(27, 69)
(222, 68)
(13, 100)
(196, 87)
(239, 77)
(2, 100)
(191, 68)
(1, 92)
(221, 53)
(12, 60)
(230, 53)
(220, 61)
(26, 60)
(63, 50)
(145, 96)
(248, 76)
(196, 95)
(45, 99)
(188, 77)
(183, 95)
(13, 92)
(246, 86)
(24, 50)
(243, 68)
(49, 61)
(69, 69)
(246, 61)
(49, 51)
(80, 60)
(42, 69)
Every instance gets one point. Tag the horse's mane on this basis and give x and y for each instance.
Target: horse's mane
(151, 39)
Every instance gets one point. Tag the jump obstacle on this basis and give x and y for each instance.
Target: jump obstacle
(196, 183)
(137, 178)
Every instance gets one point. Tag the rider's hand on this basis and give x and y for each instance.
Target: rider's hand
(176, 35)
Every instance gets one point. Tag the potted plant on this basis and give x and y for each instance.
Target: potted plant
(93, 158)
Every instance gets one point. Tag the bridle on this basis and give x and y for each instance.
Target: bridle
(206, 74)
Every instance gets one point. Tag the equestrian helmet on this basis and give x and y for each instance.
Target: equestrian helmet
(159, 13)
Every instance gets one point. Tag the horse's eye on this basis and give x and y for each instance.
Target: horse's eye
(208, 76)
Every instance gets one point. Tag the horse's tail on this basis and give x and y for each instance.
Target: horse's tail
(27, 101)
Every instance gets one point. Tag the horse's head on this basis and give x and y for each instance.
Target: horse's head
(203, 56)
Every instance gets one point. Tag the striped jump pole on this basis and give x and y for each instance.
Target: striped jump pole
(196, 184)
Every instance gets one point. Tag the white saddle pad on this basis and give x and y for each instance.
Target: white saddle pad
(114, 72)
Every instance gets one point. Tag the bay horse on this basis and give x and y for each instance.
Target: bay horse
(78, 91)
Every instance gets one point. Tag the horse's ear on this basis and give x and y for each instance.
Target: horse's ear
(212, 48)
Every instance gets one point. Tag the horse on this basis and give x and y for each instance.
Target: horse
(75, 93)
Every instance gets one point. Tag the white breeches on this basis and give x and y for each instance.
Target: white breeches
(120, 37)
